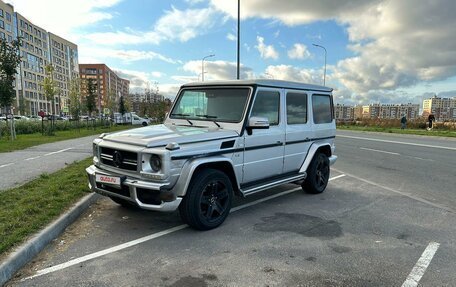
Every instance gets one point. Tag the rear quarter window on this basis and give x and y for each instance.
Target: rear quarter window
(322, 109)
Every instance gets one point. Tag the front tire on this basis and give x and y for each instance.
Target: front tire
(317, 174)
(208, 200)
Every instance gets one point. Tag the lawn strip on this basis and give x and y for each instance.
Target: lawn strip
(27, 209)
(29, 140)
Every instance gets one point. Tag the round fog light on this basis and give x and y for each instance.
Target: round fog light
(155, 163)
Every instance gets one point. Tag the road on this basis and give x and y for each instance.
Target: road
(18, 167)
(387, 218)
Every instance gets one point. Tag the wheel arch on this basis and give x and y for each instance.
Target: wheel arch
(315, 148)
(192, 167)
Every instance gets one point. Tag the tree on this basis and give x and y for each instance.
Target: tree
(75, 98)
(50, 87)
(90, 99)
(9, 60)
(122, 108)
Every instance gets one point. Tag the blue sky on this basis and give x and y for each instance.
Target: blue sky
(378, 50)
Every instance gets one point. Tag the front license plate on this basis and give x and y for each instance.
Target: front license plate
(113, 180)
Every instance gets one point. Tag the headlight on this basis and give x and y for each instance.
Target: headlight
(155, 163)
(94, 150)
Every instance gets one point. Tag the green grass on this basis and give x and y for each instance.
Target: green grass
(25, 141)
(436, 132)
(27, 209)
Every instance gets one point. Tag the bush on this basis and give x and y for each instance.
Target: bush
(31, 127)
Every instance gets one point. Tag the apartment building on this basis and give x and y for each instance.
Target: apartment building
(109, 86)
(441, 108)
(411, 111)
(39, 48)
(343, 112)
(64, 58)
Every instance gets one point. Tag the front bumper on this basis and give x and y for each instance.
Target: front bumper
(134, 191)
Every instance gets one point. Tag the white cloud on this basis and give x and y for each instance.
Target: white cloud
(299, 51)
(396, 43)
(290, 73)
(231, 37)
(266, 51)
(218, 70)
(175, 25)
(62, 18)
(89, 54)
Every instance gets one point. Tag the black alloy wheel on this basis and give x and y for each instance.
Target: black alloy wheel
(317, 174)
(208, 200)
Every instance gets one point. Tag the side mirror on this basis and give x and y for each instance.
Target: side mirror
(257, 123)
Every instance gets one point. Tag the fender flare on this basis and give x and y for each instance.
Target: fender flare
(310, 155)
(190, 167)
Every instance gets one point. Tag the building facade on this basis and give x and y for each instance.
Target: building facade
(39, 49)
(108, 85)
(377, 111)
(442, 108)
(343, 112)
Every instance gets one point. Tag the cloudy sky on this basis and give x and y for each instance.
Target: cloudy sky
(378, 50)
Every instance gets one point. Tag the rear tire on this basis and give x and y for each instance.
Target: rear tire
(317, 174)
(208, 200)
(144, 124)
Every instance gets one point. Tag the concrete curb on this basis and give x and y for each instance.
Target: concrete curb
(23, 254)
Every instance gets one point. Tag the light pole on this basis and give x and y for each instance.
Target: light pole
(324, 74)
(202, 65)
(238, 40)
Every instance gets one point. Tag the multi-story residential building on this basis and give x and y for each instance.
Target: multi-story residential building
(39, 48)
(343, 112)
(371, 111)
(64, 58)
(441, 108)
(147, 97)
(396, 111)
(109, 86)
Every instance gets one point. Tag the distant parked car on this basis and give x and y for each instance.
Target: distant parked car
(21, 118)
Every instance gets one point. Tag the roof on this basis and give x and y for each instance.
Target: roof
(262, 83)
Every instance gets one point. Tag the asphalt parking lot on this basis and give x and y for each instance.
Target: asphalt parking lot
(355, 234)
(373, 226)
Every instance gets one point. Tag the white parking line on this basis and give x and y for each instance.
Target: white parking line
(396, 142)
(32, 158)
(147, 238)
(59, 151)
(420, 267)
(376, 150)
(5, 165)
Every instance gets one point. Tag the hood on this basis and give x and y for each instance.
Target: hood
(161, 135)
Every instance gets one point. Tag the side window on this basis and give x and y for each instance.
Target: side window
(296, 108)
(322, 111)
(267, 105)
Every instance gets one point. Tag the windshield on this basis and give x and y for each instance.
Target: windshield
(221, 105)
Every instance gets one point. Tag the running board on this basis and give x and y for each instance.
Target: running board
(265, 185)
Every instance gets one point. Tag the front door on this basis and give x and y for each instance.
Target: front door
(264, 148)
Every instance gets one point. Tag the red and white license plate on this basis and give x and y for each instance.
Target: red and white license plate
(113, 180)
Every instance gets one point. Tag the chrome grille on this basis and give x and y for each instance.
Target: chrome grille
(119, 158)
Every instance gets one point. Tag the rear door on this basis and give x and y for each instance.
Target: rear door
(264, 148)
(299, 131)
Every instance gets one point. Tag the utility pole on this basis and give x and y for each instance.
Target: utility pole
(324, 74)
(238, 39)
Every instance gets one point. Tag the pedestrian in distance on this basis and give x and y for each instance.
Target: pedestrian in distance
(431, 119)
(403, 122)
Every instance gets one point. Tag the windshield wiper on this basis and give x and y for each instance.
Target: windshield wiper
(183, 115)
(207, 116)
(210, 117)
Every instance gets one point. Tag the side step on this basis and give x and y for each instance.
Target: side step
(252, 189)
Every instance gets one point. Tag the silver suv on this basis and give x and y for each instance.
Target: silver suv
(219, 140)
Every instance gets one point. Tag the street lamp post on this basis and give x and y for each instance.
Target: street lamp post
(202, 65)
(238, 40)
(324, 74)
